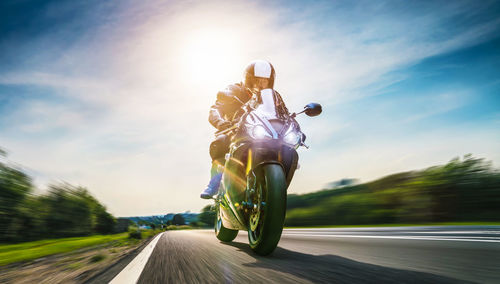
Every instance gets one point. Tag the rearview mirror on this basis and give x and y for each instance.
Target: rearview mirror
(313, 109)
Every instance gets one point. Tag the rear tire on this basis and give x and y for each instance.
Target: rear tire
(222, 233)
(266, 221)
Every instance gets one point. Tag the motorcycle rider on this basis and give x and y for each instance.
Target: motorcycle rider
(258, 75)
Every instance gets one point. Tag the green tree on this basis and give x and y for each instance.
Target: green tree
(69, 213)
(178, 220)
(102, 222)
(15, 187)
(105, 222)
(207, 216)
(466, 190)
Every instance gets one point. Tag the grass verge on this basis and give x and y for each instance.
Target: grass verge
(179, 227)
(33, 250)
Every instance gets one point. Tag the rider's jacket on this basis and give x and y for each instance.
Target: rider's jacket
(230, 100)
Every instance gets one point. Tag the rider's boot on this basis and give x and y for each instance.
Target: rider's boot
(213, 186)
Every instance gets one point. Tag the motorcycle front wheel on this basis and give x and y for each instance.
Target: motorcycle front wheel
(222, 233)
(268, 215)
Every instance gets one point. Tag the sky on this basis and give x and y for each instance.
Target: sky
(114, 95)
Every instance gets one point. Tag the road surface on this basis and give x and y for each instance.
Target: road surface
(347, 255)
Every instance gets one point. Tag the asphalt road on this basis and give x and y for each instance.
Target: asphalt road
(354, 255)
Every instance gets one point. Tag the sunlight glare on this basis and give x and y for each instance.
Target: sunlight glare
(211, 57)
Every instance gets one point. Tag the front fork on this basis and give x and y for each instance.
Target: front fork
(250, 192)
(250, 205)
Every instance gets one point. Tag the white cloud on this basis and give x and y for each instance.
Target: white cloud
(438, 103)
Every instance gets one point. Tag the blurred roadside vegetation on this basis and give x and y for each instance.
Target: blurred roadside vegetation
(182, 227)
(138, 233)
(64, 211)
(463, 190)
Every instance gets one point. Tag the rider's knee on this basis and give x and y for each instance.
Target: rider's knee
(219, 147)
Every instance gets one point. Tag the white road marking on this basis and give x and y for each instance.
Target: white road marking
(461, 232)
(131, 273)
(429, 238)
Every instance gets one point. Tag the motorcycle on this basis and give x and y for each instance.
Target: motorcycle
(258, 169)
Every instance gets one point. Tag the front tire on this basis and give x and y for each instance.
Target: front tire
(267, 219)
(222, 233)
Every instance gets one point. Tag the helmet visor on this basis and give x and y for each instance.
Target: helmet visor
(259, 83)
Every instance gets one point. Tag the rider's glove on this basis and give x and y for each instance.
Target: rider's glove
(223, 125)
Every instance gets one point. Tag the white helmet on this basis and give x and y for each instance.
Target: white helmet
(259, 74)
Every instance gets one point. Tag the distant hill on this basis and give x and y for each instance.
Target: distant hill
(163, 219)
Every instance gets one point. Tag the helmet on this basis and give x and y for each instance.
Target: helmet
(256, 74)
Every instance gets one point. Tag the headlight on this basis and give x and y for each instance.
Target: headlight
(291, 138)
(259, 132)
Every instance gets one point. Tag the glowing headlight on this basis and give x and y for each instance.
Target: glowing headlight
(291, 138)
(259, 132)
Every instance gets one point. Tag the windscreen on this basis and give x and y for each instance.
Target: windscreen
(267, 109)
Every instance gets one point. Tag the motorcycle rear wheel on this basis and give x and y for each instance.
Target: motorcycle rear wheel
(267, 218)
(222, 233)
